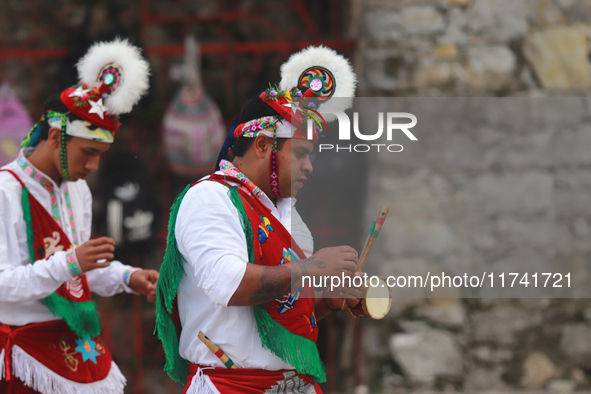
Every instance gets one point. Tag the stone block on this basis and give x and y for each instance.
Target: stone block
(451, 315)
(535, 233)
(558, 113)
(561, 386)
(490, 66)
(426, 355)
(439, 75)
(496, 59)
(454, 32)
(572, 147)
(479, 378)
(503, 20)
(501, 324)
(550, 13)
(559, 57)
(575, 343)
(387, 24)
(537, 370)
(522, 193)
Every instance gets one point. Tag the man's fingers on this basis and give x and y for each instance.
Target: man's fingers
(101, 241)
(347, 249)
(351, 257)
(103, 248)
(355, 292)
(103, 256)
(352, 302)
(349, 266)
(153, 276)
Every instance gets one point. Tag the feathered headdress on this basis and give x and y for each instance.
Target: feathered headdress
(325, 74)
(309, 80)
(113, 77)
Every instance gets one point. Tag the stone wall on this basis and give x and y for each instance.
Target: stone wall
(507, 186)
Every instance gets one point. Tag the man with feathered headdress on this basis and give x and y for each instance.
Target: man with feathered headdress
(237, 249)
(49, 332)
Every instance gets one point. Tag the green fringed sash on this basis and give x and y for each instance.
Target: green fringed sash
(294, 349)
(171, 273)
(80, 316)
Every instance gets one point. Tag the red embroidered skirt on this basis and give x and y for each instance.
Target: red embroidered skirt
(253, 381)
(51, 351)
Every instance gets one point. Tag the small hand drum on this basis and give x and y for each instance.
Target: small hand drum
(378, 300)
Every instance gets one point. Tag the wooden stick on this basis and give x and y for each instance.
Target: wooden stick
(369, 243)
(216, 350)
(376, 231)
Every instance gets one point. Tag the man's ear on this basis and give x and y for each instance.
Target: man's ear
(262, 144)
(54, 137)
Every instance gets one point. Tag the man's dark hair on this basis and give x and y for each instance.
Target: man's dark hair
(54, 103)
(254, 108)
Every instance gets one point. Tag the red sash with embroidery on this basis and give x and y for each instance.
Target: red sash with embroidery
(273, 245)
(252, 381)
(55, 346)
(72, 301)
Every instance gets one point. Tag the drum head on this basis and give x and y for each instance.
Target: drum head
(378, 300)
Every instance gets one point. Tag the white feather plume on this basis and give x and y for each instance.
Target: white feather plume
(345, 78)
(135, 72)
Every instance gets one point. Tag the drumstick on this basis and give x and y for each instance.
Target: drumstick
(369, 243)
(216, 350)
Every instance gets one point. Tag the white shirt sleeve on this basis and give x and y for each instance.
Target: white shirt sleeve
(211, 239)
(19, 280)
(110, 280)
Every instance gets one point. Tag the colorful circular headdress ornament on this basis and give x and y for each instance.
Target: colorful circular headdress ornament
(326, 73)
(320, 80)
(111, 75)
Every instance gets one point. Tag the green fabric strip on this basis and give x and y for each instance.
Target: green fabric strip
(171, 273)
(64, 150)
(293, 349)
(244, 222)
(29, 223)
(81, 317)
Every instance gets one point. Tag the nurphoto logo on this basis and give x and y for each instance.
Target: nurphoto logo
(392, 126)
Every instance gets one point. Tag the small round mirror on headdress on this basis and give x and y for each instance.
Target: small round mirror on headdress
(320, 80)
(112, 75)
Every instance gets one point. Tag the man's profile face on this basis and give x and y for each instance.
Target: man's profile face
(84, 156)
(294, 165)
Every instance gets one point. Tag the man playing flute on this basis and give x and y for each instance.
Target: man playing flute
(237, 248)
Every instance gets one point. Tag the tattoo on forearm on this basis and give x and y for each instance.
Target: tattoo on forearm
(275, 282)
(279, 280)
(305, 265)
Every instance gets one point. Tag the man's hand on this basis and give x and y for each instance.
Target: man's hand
(144, 282)
(96, 249)
(261, 284)
(329, 262)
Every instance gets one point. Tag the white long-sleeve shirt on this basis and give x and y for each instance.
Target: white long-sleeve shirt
(24, 285)
(211, 239)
